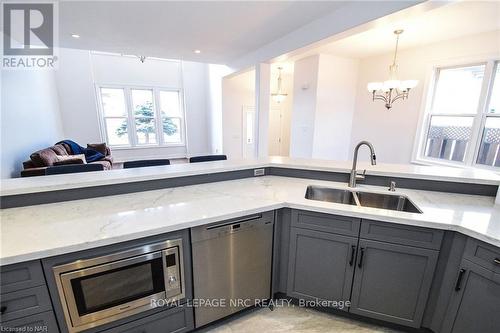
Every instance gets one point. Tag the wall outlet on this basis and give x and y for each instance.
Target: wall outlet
(259, 172)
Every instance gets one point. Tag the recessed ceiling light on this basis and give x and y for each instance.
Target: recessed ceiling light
(75, 36)
(197, 51)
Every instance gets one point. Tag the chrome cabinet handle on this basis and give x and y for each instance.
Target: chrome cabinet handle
(496, 261)
(459, 279)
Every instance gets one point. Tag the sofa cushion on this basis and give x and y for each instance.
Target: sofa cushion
(31, 172)
(59, 149)
(100, 147)
(104, 163)
(44, 157)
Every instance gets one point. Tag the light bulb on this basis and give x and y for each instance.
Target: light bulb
(374, 86)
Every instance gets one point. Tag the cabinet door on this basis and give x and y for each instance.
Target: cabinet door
(40, 322)
(392, 282)
(475, 305)
(176, 320)
(320, 265)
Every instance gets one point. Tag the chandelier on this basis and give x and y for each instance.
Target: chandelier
(279, 96)
(393, 89)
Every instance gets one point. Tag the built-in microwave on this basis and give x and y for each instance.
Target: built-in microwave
(107, 288)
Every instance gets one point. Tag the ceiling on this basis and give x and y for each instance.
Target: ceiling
(450, 21)
(223, 31)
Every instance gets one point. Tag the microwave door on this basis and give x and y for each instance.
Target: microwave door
(111, 290)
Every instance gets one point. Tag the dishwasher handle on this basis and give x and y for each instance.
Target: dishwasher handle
(238, 221)
(233, 226)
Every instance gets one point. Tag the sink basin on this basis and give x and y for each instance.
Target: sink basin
(362, 199)
(330, 194)
(387, 201)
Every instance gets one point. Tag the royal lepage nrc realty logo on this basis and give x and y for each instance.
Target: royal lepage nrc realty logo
(29, 35)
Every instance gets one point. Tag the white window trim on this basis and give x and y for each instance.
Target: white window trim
(479, 117)
(128, 103)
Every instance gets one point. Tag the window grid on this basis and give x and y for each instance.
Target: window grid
(131, 117)
(473, 147)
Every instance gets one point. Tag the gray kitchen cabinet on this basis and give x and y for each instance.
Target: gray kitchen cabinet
(475, 304)
(175, 320)
(21, 276)
(321, 265)
(392, 282)
(40, 322)
(23, 303)
(335, 224)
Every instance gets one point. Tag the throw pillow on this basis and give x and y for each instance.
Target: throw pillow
(100, 147)
(81, 157)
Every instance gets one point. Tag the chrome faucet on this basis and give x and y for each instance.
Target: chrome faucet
(354, 173)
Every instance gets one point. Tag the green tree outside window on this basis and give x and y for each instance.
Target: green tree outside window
(145, 122)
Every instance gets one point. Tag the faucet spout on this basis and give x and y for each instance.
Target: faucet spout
(373, 160)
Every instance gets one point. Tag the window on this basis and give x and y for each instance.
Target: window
(462, 125)
(131, 117)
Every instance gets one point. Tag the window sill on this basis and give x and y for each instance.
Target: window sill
(422, 162)
(147, 147)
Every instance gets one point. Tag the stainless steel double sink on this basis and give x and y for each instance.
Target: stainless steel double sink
(363, 199)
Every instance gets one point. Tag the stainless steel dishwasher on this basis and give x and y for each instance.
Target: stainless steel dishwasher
(231, 263)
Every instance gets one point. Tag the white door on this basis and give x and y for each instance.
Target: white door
(248, 132)
(275, 132)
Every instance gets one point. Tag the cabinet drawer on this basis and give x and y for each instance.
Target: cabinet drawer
(24, 303)
(483, 254)
(401, 234)
(41, 322)
(174, 320)
(336, 224)
(21, 276)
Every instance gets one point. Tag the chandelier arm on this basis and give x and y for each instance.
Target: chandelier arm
(399, 96)
(380, 97)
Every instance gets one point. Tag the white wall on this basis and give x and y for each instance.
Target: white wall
(323, 105)
(393, 132)
(214, 101)
(197, 109)
(80, 71)
(304, 106)
(77, 97)
(238, 91)
(336, 94)
(30, 118)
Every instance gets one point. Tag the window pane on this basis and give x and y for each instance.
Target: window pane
(142, 102)
(495, 93)
(170, 104)
(113, 102)
(489, 152)
(172, 130)
(458, 89)
(146, 130)
(448, 137)
(116, 128)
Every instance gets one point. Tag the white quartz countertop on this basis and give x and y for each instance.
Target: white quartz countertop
(35, 232)
(60, 182)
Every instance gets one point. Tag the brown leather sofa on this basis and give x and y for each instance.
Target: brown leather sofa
(42, 159)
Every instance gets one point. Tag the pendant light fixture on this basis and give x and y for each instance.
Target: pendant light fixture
(393, 89)
(279, 96)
